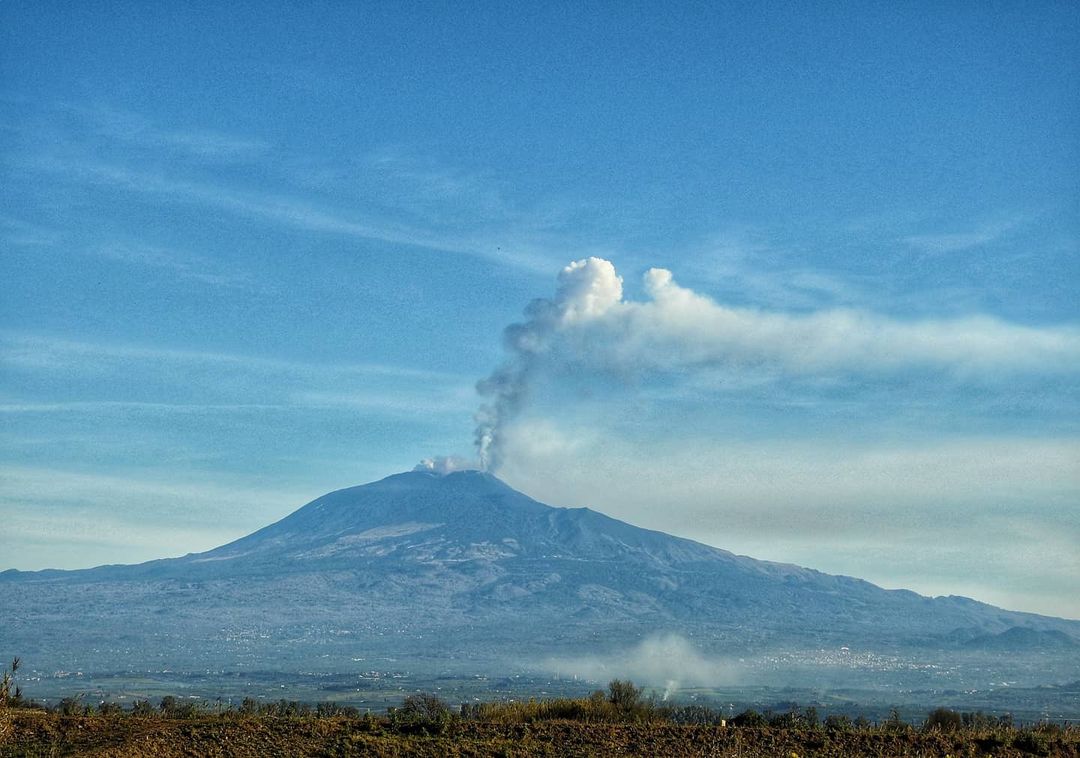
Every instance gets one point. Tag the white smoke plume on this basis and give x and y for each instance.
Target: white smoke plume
(663, 660)
(587, 289)
(588, 327)
(445, 464)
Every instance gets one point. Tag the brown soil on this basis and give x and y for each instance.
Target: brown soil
(31, 733)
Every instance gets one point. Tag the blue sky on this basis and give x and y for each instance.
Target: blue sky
(249, 255)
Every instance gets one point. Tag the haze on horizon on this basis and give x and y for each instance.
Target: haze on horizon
(807, 276)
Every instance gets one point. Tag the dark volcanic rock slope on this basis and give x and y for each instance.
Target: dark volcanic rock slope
(464, 567)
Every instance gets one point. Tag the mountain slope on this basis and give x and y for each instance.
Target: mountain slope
(463, 567)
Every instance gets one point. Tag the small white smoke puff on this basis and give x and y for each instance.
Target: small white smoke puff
(445, 464)
(667, 660)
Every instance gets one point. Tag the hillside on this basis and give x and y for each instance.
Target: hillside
(461, 568)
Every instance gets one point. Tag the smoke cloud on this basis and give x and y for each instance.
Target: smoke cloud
(664, 660)
(588, 328)
(587, 290)
(445, 464)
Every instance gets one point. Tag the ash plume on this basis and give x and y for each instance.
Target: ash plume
(587, 289)
(587, 329)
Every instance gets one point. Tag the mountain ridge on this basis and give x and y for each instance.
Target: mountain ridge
(497, 487)
(463, 567)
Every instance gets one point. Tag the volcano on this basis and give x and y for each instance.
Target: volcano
(460, 567)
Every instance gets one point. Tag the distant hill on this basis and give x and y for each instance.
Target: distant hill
(461, 568)
(1023, 638)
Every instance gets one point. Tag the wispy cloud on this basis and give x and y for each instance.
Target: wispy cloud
(460, 400)
(301, 213)
(37, 351)
(97, 406)
(19, 233)
(387, 196)
(744, 265)
(815, 483)
(156, 381)
(184, 265)
(136, 129)
(139, 515)
(414, 404)
(432, 184)
(149, 493)
(965, 510)
(874, 263)
(966, 239)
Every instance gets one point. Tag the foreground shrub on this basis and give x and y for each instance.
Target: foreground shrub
(424, 707)
(750, 718)
(943, 720)
(591, 709)
(1032, 741)
(423, 713)
(623, 702)
(10, 692)
(328, 709)
(142, 708)
(624, 695)
(896, 724)
(794, 719)
(698, 715)
(174, 708)
(838, 722)
(106, 708)
(73, 706)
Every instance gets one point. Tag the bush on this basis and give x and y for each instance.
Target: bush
(142, 708)
(1032, 741)
(328, 709)
(795, 719)
(10, 693)
(750, 718)
(591, 709)
(838, 722)
(698, 715)
(286, 708)
(623, 702)
(895, 723)
(424, 707)
(980, 720)
(72, 706)
(109, 709)
(173, 708)
(624, 695)
(944, 720)
(422, 713)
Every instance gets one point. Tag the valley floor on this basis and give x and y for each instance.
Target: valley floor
(35, 733)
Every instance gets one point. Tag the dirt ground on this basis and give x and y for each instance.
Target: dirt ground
(30, 733)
